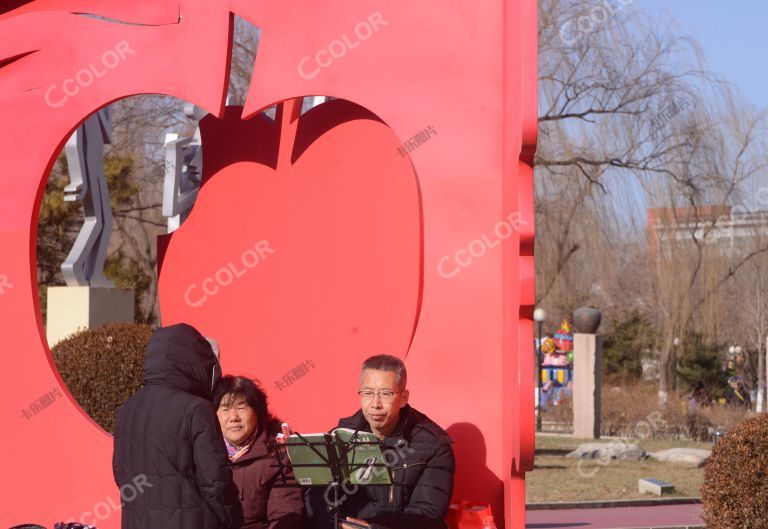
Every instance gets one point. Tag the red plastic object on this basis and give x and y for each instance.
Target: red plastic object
(469, 515)
(427, 255)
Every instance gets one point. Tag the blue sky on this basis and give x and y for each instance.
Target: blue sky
(733, 36)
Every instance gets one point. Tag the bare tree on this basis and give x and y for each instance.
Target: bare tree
(603, 86)
(630, 119)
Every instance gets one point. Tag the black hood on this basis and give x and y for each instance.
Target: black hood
(180, 357)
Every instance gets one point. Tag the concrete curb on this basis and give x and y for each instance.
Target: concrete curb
(672, 527)
(607, 504)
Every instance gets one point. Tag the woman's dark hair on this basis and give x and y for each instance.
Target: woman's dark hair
(230, 387)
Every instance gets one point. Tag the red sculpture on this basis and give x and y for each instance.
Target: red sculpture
(397, 218)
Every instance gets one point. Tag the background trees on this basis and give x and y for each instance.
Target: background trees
(629, 120)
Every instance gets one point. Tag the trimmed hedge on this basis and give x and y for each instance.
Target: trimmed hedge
(735, 491)
(103, 367)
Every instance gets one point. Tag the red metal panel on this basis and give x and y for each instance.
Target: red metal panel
(373, 251)
(143, 12)
(315, 261)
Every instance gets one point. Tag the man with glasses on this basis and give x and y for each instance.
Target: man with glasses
(417, 451)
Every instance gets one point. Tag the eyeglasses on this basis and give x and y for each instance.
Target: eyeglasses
(385, 396)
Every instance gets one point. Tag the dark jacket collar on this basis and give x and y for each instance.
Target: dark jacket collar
(260, 448)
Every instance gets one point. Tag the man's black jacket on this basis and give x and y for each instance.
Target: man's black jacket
(422, 463)
(168, 439)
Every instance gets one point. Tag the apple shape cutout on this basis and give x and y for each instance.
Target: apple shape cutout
(302, 255)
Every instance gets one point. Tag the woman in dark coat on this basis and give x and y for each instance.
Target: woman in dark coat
(269, 495)
(167, 438)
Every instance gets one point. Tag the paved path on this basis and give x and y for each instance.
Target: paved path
(663, 516)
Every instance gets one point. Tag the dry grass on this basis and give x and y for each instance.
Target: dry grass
(557, 479)
(632, 411)
(566, 443)
(725, 417)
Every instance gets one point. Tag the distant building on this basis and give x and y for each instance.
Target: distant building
(725, 229)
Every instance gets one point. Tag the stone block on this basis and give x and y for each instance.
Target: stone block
(684, 456)
(73, 309)
(613, 450)
(656, 487)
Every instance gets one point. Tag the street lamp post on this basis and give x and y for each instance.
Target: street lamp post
(760, 382)
(735, 358)
(734, 352)
(732, 358)
(539, 315)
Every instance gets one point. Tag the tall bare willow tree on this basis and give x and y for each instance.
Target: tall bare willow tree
(629, 119)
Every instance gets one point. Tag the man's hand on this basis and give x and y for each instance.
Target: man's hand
(362, 523)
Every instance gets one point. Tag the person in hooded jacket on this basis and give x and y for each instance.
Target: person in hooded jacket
(167, 435)
(269, 494)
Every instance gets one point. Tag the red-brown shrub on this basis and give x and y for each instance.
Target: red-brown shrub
(735, 492)
(103, 367)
